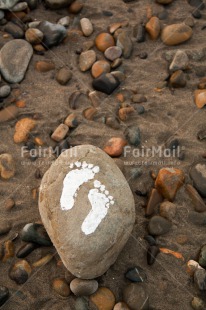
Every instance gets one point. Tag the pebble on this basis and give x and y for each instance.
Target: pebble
(100, 67)
(121, 306)
(20, 271)
(26, 249)
(136, 297)
(7, 166)
(120, 76)
(61, 287)
(103, 41)
(34, 24)
(150, 239)
(34, 36)
(154, 200)
(198, 176)
(115, 146)
(58, 4)
(54, 34)
(202, 257)
(192, 266)
(22, 129)
(136, 274)
(81, 287)
(113, 53)
(153, 27)
(15, 30)
(168, 210)
(9, 204)
(88, 243)
(4, 295)
(106, 83)
(35, 233)
(133, 135)
(60, 133)
(197, 200)
(124, 113)
(116, 63)
(152, 253)
(125, 43)
(198, 304)
(86, 60)
(44, 66)
(86, 26)
(20, 51)
(8, 113)
(5, 91)
(64, 21)
(71, 121)
(22, 6)
(176, 34)
(180, 61)
(103, 299)
(5, 227)
(43, 261)
(159, 226)
(200, 279)
(63, 76)
(7, 4)
(177, 79)
(138, 98)
(76, 7)
(200, 98)
(89, 113)
(168, 182)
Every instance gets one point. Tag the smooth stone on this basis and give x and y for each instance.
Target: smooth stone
(54, 34)
(198, 176)
(153, 27)
(136, 274)
(64, 21)
(138, 98)
(100, 67)
(197, 218)
(116, 63)
(152, 253)
(125, 43)
(113, 53)
(151, 240)
(91, 250)
(26, 249)
(86, 26)
(168, 210)
(13, 29)
(192, 266)
(58, 4)
(159, 226)
(5, 227)
(1, 14)
(5, 91)
(200, 98)
(7, 4)
(106, 83)
(63, 76)
(115, 146)
(76, 7)
(43, 261)
(4, 295)
(22, 129)
(180, 61)
(198, 304)
(20, 52)
(103, 41)
(71, 121)
(133, 135)
(34, 24)
(169, 181)
(177, 79)
(9, 204)
(35, 233)
(44, 66)
(60, 133)
(86, 60)
(103, 299)
(81, 287)
(141, 33)
(202, 257)
(20, 271)
(136, 297)
(176, 34)
(121, 306)
(154, 200)
(34, 36)
(7, 166)
(200, 279)
(19, 7)
(196, 199)
(8, 113)
(61, 287)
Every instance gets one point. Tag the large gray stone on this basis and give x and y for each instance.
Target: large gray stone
(14, 60)
(58, 4)
(89, 228)
(7, 4)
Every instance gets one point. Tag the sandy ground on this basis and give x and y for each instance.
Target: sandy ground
(167, 114)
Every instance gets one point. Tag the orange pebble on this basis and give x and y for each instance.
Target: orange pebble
(20, 104)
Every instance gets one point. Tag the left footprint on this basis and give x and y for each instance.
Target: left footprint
(73, 180)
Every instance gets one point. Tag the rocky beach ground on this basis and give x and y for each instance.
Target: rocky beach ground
(128, 77)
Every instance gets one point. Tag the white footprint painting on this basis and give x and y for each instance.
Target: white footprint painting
(99, 197)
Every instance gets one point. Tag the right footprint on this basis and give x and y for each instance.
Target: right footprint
(100, 201)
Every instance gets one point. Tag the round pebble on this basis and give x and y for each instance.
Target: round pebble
(99, 67)
(83, 287)
(61, 287)
(103, 41)
(103, 299)
(86, 26)
(113, 52)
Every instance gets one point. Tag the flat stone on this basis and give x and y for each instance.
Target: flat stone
(20, 52)
(176, 34)
(86, 60)
(113, 53)
(86, 26)
(94, 240)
